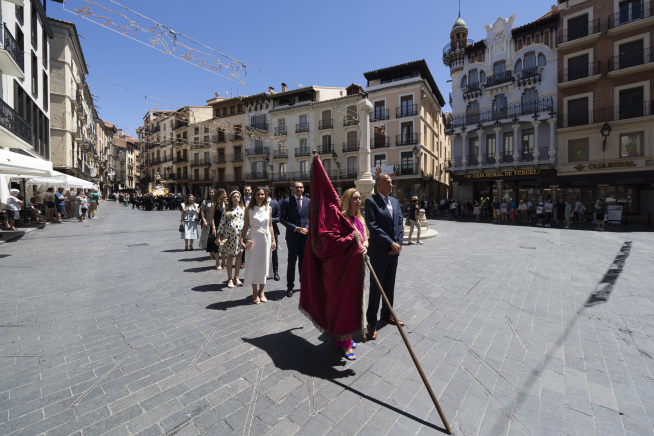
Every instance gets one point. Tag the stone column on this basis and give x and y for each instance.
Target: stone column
(464, 156)
(455, 191)
(498, 138)
(602, 192)
(480, 135)
(498, 183)
(364, 182)
(554, 188)
(516, 144)
(552, 150)
(536, 146)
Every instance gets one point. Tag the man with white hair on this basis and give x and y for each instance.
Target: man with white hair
(13, 207)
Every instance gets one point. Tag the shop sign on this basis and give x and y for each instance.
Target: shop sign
(607, 165)
(504, 174)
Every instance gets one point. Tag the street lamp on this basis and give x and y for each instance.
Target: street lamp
(87, 146)
(606, 131)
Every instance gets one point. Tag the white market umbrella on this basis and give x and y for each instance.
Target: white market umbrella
(21, 166)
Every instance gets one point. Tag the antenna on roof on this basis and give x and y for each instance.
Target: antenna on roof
(459, 8)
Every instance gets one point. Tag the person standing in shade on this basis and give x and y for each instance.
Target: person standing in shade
(560, 213)
(60, 204)
(258, 221)
(600, 212)
(549, 212)
(276, 211)
(384, 222)
(295, 217)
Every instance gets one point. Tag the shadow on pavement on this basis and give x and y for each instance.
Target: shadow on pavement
(176, 250)
(608, 281)
(291, 352)
(209, 288)
(200, 269)
(194, 259)
(226, 305)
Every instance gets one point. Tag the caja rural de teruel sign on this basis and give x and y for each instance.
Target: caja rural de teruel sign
(503, 174)
(607, 165)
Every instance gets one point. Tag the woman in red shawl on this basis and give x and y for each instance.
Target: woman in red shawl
(350, 204)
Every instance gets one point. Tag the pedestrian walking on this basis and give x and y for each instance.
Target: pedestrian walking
(600, 214)
(414, 212)
(295, 217)
(189, 219)
(477, 210)
(259, 243)
(84, 207)
(94, 200)
(522, 210)
(205, 219)
(504, 209)
(568, 214)
(229, 232)
(384, 222)
(579, 210)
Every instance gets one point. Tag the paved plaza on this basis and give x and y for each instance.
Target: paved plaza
(109, 327)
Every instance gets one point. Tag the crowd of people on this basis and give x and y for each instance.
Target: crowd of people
(51, 205)
(542, 212)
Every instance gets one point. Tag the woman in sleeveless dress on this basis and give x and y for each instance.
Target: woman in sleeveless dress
(205, 209)
(231, 224)
(190, 215)
(258, 220)
(216, 214)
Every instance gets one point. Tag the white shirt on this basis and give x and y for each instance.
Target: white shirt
(12, 203)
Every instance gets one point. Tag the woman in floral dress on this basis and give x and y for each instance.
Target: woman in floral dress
(230, 228)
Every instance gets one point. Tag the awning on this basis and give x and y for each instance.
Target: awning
(59, 179)
(19, 165)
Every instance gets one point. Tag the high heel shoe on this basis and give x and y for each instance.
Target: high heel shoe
(262, 297)
(255, 298)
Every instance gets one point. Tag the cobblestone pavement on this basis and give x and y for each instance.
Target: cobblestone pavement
(521, 331)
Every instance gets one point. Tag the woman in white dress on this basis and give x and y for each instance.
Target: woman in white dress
(190, 215)
(258, 220)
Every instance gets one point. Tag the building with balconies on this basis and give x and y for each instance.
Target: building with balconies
(125, 166)
(504, 109)
(74, 117)
(104, 144)
(25, 39)
(606, 104)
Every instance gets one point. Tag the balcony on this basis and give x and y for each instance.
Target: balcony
(179, 124)
(171, 176)
(220, 159)
(407, 110)
(528, 76)
(180, 142)
(325, 124)
(257, 126)
(472, 90)
(379, 114)
(350, 146)
(579, 34)
(326, 149)
(379, 141)
(282, 177)
(509, 112)
(181, 160)
(257, 151)
(499, 78)
(281, 130)
(407, 139)
(236, 157)
(350, 120)
(301, 175)
(201, 163)
(350, 173)
(299, 152)
(580, 75)
(301, 128)
(12, 60)
(263, 175)
(235, 137)
(156, 128)
(603, 115)
(629, 63)
(200, 178)
(498, 159)
(332, 174)
(13, 128)
(280, 154)
(406, 170)
(628, 19)
(455, 50)
(234, 178)
(219, 138)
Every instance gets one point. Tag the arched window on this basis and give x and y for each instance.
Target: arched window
(529, 40)
(499, 67)
(482, 77)
(546, 38)
(499, 107)
(464, 82)
(518, 67)
(472, 112)
(538, 39)
(519, 44)
(530, 60)
(472, 59)
(541, 60)
(473, 76)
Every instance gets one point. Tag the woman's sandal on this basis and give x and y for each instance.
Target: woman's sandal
(238, 283)
(350, 356)
(354, 345)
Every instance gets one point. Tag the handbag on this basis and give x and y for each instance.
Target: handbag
(406, 222)
(181, 228)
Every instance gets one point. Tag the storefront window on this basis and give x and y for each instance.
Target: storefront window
(631, 144)
(578, 150)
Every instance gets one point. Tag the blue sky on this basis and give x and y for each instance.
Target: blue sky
(297, 42)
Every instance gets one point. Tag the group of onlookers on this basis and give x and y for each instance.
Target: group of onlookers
(53, 204)
(543, 212)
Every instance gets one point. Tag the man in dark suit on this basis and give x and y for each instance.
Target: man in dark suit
(384, 221)
(295, 217)
(276, 211)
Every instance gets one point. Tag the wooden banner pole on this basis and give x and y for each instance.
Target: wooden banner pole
(413, 356)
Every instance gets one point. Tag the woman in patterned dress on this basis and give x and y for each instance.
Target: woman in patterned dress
(230, 228)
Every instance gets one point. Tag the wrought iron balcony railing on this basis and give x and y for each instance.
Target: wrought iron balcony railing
(498, 79)
(638, 11)
(219, 137)
(301, 175)
(280, 154)
(326, 149)
(472, 90)
(350, 173)
(379, 141)
(257, 150)
(281, 130)
(12, 47)
(220, 159)
(407, 139)
(350, 146)
(302, 152)
(525, 157)
(513, 111)
(302, 127)
(580, 72)
(325, 124)
(580, 31)
(628, 60)
(379, 114)
(201, 163)
(236, 157)
(10, 120)
(350, 120)
(607, 114)
(259, 175)
(455, 49)
(407, 110)
(282, 177)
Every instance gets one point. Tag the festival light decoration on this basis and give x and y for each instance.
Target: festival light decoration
(160, 37)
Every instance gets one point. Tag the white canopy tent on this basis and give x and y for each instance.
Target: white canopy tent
(20, 166)
(61, 179)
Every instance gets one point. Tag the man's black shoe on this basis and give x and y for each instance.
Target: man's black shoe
(289, 293)
(276, 277)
